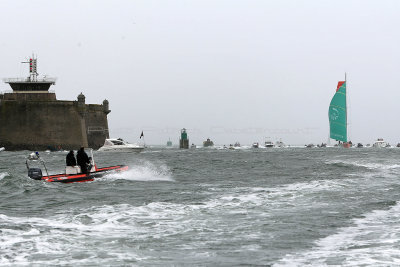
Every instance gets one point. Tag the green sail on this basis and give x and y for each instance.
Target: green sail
(338, 115)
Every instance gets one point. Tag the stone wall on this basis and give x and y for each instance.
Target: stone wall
(96, 125)
(30, 96)
(41, 125)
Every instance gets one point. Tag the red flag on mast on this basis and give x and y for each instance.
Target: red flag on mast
(339, 85)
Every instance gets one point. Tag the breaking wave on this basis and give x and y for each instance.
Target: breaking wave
(73, 237)
(368, 165)
(146, 172)
(3, 174)
(371, 240)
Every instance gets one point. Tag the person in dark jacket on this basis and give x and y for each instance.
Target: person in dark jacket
(83, 160)
(71, 161)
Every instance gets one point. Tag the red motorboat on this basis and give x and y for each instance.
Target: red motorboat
(72, 174)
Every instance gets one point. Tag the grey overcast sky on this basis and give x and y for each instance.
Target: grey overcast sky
(229, 70)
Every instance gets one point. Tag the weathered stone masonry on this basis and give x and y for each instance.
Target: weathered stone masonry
(38, 121)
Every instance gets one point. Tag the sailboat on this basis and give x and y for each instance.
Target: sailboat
(338, 115)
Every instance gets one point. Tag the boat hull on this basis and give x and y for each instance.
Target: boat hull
(73, 178)
(346, 145)
(121, 149)
(255, 145)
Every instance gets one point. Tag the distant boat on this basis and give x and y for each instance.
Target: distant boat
(379, 143)
(2, 149)
(193, 146)
(208, 143)
(231, 146)
(268, 143)
(338, 115)
(359, 145)
(119, 145)
(237, 144)
(398, 145)
(310, 146)
(169, 143)
(280, 144)
(255, 145)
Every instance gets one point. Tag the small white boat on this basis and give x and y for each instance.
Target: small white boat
(2, 149)
(208, 143)
(280, 144)
(268, 143)
(119, 145)
(379, 143)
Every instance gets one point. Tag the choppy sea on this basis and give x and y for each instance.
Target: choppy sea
(207, 207)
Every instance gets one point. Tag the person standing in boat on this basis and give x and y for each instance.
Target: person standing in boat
(71, 161)
(83, 160)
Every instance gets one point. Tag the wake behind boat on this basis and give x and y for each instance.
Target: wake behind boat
(119, 145)
(72, 173)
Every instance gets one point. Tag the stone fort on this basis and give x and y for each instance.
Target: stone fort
(31, 117)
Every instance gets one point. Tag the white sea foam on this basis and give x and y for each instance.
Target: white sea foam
(145, 172)
(3, 174)
(22, 238)
(119, 228)
(371, 240)
(369, 165)
(293, 196)
(78, 231)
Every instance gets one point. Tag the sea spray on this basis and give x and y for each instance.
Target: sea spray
(372, 239)
(3, 174)
(146, 171)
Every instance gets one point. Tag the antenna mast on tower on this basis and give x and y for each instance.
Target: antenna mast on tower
(32, 68)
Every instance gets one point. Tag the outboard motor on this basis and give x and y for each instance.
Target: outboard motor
(35, 173)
